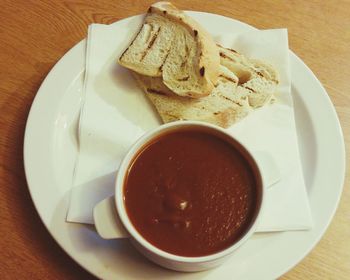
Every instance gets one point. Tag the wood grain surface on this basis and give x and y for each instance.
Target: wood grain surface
(34, 35)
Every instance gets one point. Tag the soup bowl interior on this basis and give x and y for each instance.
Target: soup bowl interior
(161, 257)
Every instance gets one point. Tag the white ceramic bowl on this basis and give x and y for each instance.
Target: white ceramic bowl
(155, 254)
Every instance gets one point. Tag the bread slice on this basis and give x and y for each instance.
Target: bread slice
(176, 48)
(243, 85)
(222, 107)
(257, 79)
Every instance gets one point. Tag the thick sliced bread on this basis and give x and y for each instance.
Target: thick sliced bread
(222, 107)
(258, 79)
(173, 46)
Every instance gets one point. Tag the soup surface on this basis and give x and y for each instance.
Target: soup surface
(191, 193)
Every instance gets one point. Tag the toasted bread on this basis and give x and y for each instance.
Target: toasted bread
(222, 107)
(246, 85)
(173, 46)
(257, 78)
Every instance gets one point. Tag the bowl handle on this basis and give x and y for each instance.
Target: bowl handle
(107, 222)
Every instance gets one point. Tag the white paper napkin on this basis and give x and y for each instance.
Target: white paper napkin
(116, 113)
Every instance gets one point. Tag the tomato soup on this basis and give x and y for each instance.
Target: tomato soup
(192, 193)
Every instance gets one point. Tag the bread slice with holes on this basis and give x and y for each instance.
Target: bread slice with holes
(222, 107)
(174, 47)
(257, 79)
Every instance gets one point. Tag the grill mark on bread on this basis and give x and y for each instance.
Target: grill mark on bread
(227, 78)
(154, 91)
(250, 89)
(161, 67)
(202, 71)
(232, 50)
(222, 96)
(183, 79)
(195, 32)
(262, 75)
(124, 52)
(132, 42)
(151, 43)
(259, 74)
(183, 63)
(187, 51)
(225, 56)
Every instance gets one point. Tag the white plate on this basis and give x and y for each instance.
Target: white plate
(50, 149)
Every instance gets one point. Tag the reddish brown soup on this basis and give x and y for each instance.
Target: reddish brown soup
(191, 193)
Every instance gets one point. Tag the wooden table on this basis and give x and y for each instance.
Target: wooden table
(35, 34)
